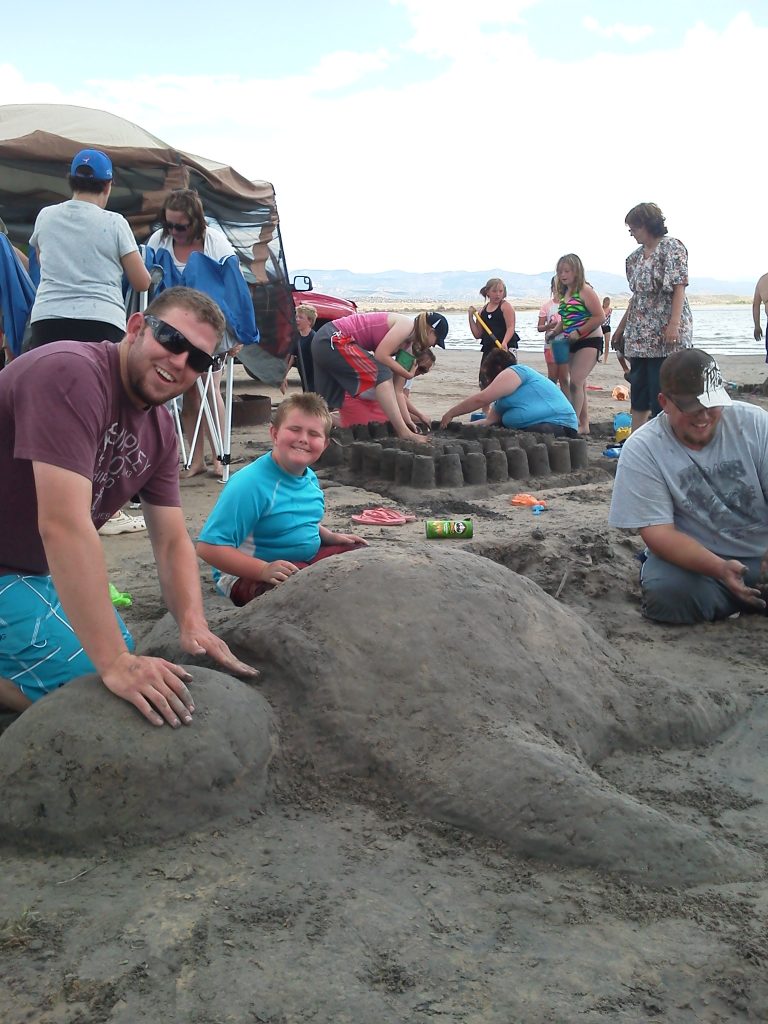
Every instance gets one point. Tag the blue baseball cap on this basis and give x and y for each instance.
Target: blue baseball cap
(93, 164)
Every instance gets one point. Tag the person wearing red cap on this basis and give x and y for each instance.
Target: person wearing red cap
(83, 250)
(694, 481)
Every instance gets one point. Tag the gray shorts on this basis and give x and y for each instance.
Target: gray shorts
(343, 368)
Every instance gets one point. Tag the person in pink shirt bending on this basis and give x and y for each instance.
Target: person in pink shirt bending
(366, 351)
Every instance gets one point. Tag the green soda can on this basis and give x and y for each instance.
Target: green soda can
(437, 528)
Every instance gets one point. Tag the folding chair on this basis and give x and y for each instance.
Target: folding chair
(220, 434)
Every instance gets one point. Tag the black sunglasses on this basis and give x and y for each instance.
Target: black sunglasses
(176, 227)
(176, 343)
(694, 405)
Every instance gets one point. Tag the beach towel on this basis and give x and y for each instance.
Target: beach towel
(17, 294)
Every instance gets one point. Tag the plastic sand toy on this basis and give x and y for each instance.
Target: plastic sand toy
(118, 599)
(526, 500)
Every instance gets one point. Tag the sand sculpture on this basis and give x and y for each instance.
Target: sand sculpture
(458, 686)
(82, 766)
(438, 677)
(456, 457)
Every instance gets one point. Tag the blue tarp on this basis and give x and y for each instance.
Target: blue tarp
(17, 293)
(223, 282)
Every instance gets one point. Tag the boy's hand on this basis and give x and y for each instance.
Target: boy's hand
(347, 538)
(277, 571)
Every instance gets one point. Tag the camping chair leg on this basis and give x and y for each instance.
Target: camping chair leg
(227, 437)
(174, 409)
(202, 390)
(211, 417)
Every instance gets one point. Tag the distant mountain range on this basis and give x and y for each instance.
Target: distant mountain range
(453, 285)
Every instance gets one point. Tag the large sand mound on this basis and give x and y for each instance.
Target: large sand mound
(82, 766)
(457, 685)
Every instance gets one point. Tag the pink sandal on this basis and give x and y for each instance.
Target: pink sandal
(382, 517)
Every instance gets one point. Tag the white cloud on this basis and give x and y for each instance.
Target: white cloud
(16, 88)
(344, 68)
(629, 33)
(446, 27)
(506, 159)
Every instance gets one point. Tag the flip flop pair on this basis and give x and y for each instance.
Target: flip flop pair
(382, 517)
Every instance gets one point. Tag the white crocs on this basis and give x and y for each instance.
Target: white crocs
(122, 523)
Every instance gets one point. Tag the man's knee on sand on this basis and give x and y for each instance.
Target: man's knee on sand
(677, 606)
(678, 597)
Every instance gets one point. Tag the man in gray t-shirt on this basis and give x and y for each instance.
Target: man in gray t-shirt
(694, 482)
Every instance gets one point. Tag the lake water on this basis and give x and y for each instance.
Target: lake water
(727, 330)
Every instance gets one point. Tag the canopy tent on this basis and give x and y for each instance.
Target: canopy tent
(38, 141)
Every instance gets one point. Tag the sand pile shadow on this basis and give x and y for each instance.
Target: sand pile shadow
(81, 766)
(460, 687)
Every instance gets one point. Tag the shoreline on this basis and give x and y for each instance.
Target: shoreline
(454, 376)
(374, 304)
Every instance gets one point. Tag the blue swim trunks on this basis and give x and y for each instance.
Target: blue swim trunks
(39, 650)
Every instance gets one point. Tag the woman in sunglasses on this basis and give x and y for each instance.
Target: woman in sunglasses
(185, 231)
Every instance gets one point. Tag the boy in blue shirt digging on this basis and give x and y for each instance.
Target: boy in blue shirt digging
(267, 523)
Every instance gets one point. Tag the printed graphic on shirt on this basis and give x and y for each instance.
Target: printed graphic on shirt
(120, 458)
(719, 493)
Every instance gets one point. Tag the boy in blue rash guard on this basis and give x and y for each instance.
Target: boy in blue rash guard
(267, 523)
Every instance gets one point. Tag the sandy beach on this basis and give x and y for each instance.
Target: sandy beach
(615, 872)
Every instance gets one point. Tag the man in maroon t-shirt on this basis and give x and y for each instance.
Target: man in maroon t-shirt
(82, 428)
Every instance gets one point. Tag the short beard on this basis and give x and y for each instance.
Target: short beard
(135, 383)
(147, 401)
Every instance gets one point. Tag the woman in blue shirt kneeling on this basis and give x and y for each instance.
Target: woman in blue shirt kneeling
(521, 398)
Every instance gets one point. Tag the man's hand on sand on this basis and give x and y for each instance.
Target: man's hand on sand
(203, 641)
(733, 578)
(154, 686)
